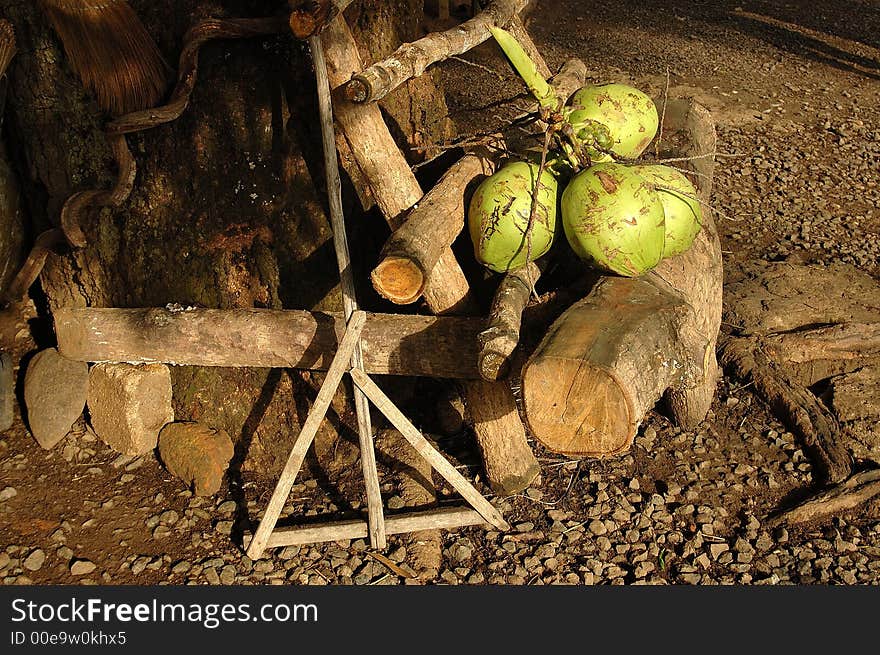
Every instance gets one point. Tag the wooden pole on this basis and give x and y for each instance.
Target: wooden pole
(392, 344)
(436, 519)
(501, 336)
(337, 221)
(340, 365)
(411, 59)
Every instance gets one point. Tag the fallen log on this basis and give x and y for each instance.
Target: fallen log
(411, 59)
(431, 346)
(396, 190)
(501, 336)
(606, 361)
(412, 251)
(847, 495)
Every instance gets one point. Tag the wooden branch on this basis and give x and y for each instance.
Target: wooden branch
(412, 251)
(501, 337)
(396, 190)
(411, 59)
(437, 519)
(340, 365)
(848, 495)
(431, 346)
(308, 18)
(799, 408)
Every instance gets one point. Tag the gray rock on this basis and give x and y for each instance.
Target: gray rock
(35, 561)
(55, 391)
(81, 567)
(129, 405)
(7, 493)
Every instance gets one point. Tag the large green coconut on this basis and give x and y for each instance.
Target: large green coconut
(630, 116)
(498, 217)
(684, 218)
(613, 216)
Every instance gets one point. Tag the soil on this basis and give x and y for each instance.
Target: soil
(793, 88)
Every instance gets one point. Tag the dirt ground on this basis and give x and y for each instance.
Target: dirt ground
(794, 88)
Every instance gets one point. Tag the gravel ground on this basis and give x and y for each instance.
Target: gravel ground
(681, 507)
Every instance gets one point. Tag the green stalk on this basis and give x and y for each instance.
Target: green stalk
(526, 68)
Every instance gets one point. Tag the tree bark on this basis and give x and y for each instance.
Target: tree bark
(608, 359)
(227, 209)
(432, 346)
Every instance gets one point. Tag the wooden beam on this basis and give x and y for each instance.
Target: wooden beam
(437, 519)
(411, 59)
(430, 346)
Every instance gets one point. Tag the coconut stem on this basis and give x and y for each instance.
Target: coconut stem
(526, 67)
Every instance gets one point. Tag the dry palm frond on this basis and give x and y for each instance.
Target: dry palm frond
(111, 51)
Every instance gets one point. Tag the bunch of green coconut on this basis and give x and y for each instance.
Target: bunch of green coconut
(618, 214)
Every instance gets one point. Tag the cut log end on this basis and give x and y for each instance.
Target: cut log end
(399, 280)
(494, 363)
(602, 427)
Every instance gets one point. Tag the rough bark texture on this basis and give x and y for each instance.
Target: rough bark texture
(432, 346)
(412, 251)
(227, 210)
(605, 362)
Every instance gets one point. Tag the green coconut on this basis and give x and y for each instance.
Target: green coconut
(684, 218)
(629, 115)
(612, 216)
(498, 217)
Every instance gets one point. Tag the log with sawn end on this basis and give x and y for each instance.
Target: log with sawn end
(606, 361)
(396, 190)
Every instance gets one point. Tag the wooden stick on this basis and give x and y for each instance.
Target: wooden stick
(301, 446)
(843, 497)
(437, 519)
(412, 251)
(501, 336)
(349, 299)
(424, 448)
(396, 190)
(392, 344)
(411, 59)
